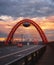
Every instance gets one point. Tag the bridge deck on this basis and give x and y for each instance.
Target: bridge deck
(48, 57)
(11, 54)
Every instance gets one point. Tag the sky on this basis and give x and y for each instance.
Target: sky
(40, 11)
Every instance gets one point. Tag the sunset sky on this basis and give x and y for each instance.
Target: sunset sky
(40, 11)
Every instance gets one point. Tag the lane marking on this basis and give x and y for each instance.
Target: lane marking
(15, 52)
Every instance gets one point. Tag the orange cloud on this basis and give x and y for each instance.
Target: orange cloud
(42, 21)
(50, 18)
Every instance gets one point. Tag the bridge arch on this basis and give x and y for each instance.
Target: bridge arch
(42, 35)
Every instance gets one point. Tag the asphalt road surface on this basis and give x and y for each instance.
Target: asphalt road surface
(13, 53)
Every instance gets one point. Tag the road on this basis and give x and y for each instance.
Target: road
(13, 53)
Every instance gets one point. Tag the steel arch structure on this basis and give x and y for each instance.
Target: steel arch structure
(10, 36)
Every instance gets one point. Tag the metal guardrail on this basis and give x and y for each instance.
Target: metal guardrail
(31, 58)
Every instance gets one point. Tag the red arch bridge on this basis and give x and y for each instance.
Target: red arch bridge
(10, 36)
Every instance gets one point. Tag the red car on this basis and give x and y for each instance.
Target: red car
(19, 44)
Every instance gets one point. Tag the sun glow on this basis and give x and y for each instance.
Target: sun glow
(2, 39)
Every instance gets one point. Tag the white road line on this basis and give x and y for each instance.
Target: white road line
(18, 55)
(15, 52)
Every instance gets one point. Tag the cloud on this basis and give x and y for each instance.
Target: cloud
(2, 34)
(5, 18)
(50, 34)
(31, 8)
(50, 19)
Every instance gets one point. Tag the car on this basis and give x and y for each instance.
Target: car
(19, 44)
